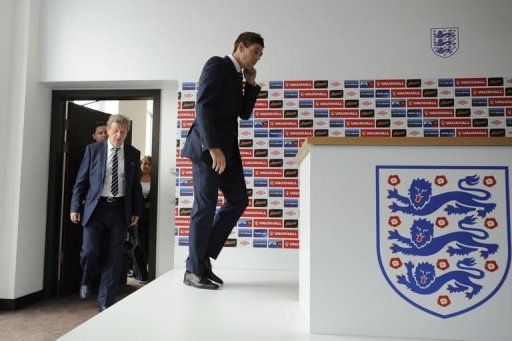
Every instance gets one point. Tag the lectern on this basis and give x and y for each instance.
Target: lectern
(406, 237)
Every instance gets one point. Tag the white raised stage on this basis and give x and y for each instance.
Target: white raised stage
(358, 255)
(253, 305)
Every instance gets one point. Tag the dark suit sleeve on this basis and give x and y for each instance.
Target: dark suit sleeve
(137, 188)
(82, 183)
(208, 97)
(249, 99)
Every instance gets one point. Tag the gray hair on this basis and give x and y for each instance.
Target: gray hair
(120, 119)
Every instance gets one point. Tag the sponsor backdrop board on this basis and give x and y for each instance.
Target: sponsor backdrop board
(407, 241)
(289, 111)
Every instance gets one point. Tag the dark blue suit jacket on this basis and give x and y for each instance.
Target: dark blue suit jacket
(220, 101)
(89, 181)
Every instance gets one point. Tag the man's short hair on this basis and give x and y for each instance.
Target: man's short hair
(98, 124)
(249, 38)
(120, 119)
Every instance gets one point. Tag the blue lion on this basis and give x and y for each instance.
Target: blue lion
(423, 242)
(441, 42)
(424, 282)
(441, 35)
(442, 50)
(422, 202)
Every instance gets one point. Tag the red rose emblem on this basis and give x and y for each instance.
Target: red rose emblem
(443, 300)
(441, 180)
(491, 265)
(395, 263)
(442, 264)
(393, 180)
(490, 223)
(489, 181)
(394, 221)
(441, 222)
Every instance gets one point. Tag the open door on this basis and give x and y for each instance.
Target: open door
(71, 131)
(81, 122)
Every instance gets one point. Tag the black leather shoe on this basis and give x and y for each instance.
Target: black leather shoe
(85, 292)
(209, 273)
(101, 308)
(198, 281)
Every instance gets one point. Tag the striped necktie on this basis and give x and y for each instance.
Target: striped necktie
(115, 177)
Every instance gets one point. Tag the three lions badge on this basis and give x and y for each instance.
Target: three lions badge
(443, 234)
(444, 41)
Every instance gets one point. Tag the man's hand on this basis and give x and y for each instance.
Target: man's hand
(250, 76)
(75, 217)
(219, 160)
(134, 220)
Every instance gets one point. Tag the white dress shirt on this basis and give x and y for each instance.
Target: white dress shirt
(107, 183)
(237, 66)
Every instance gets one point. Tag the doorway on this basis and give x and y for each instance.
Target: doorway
(74, 113)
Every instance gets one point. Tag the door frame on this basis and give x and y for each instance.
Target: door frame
(58, 122)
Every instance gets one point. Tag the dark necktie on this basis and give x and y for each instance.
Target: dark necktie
(241, 76)
(115, 177)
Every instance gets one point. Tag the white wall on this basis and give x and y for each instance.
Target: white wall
(6, 31)
(34, 168)
(328, 39)
(8, 180)
(136, 111)
(26, 130)
(13, 152)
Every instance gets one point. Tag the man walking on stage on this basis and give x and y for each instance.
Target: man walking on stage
(212, 145)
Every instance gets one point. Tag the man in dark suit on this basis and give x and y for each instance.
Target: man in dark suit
(109, 180)
(212, 145)
(99, 133)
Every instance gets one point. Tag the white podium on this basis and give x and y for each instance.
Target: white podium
(351, 280)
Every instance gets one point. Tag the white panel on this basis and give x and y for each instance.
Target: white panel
(34, 167)
(349, 294)
(9, 147)
(166, 180)
(305, 236)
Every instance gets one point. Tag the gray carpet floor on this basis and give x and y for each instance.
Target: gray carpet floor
(50, 319)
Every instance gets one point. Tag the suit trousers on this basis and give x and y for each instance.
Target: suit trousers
(106, 226)
(210, 229)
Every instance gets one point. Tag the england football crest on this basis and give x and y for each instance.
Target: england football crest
(443, 234)
(444, 41)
